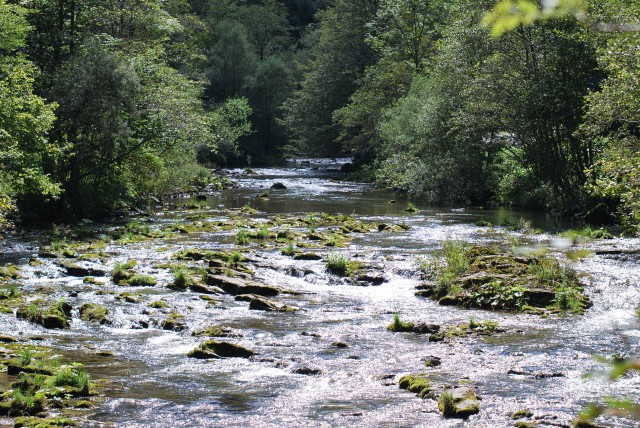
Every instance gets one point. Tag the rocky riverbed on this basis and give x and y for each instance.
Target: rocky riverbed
(314, 303)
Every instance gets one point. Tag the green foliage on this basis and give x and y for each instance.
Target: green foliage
(230, 122)
(338, 264)
(335, 63)
(507, 15)
(142, 281)
(242, 237)
(289, 250)
(26, 356)
(25, 120)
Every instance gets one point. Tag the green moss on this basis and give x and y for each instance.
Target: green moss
(52, 317)
(142, 281)
(399, 326)
(524, 413)
(159, 304)
(417, 384)
(94, 313)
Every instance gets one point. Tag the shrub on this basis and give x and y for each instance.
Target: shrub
(338, 264)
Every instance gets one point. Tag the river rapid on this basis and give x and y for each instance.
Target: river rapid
(334, 363)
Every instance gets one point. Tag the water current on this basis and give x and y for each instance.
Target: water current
(299, 377)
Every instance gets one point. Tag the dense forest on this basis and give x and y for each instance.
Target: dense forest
(111, 104)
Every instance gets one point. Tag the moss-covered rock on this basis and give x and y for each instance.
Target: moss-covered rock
(33, 422)
(260, 303)
(484, 277)
(458, 403)
(175, 322)
(418, 384)
(94, 313)
(141, 281)
(215, 331)
(74, 269)
(218, 349)
(520, 414)
(10, 271)
(159, 304)
(56, 316)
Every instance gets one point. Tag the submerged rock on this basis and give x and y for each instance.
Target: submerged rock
(458, 403)
(278, 186)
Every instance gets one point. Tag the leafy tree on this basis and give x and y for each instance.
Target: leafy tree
(381, 85)
(337, 62)
(407, 29)
(268, 88)
(613, 122)
(230, 122)
(232, 60)
(267, 27)
(25, 120)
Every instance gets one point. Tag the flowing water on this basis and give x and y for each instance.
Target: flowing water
(155, 384)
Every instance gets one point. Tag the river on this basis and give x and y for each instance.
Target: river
(333, 363)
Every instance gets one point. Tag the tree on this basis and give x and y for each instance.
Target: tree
(267, 27)
(338, 61)
(268, 88)
(231, 61)
(25, 120)
(407, 29)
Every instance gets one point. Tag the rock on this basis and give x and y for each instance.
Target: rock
(539, 297)
(525, 413)
(307, 256)
(451, 300)
(237, 286)
(370, 279)
(431, 361)
(74, 269)
(416, 383)
(14, 369)
(262, 304)
(53, 321)
(54, 317)
(198, 287)
(278, 186)
(458, 403)
(202, 354)
(224, 350)
(437, 337)
(307, 371)
(479, 278)
(175, 322)
(339, 345)
(584, 423)
(215, 331)
(7, 339)
(94, 313)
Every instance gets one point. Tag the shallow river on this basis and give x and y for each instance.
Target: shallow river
(357, 385)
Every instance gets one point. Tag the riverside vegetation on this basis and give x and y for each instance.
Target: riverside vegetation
(440, 99)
